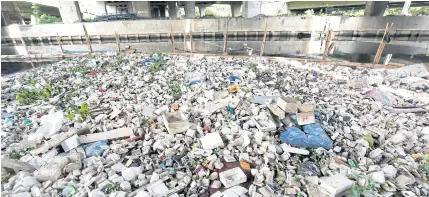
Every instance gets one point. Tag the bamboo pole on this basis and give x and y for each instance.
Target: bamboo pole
(88, 41)
(172, 37)
(326, 41)
(384, 43)
(184, 41)
(118, 43)
(192, 46)
(263, 40)
(225, 37)
(381, 42)
(59, 43)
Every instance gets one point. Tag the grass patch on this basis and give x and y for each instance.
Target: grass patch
(81, 112)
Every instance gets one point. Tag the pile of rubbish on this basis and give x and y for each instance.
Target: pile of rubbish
(139, 125)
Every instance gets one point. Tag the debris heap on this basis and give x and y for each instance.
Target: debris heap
(140, 125)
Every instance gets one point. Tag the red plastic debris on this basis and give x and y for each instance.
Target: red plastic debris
(100, 89)
(206, 128)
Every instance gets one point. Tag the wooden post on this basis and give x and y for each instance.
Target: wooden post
(88, 41)
(326, 41)
(26, 50)
(190, 38)
(59, 43)
(263, 40)
(225, 37)
(172, 37)
(184, 41)
(117, 42)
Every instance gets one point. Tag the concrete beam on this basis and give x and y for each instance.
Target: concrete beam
(141, 8)
(235, 9)
(172, 9)
(190, 9)
(252, 8)
(375, 8)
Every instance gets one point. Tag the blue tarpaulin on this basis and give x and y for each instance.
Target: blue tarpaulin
(313, 136)
(94, 149)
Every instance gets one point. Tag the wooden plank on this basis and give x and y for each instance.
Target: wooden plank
(113, 134)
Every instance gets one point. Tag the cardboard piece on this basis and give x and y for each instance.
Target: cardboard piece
(287, 104)
(305, 114)
(176, 122)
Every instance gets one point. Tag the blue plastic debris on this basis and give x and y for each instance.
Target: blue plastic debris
(69, 190)
(233, 78)
(94, 149)
(315, 74)
(194, 82)
(313, 136)
(5, 115)
(262, 99)
(148, 60)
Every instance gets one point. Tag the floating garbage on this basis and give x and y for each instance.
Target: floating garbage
(197, 125)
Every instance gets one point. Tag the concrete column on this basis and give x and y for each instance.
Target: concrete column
(172, 11)
(162, 11)
(202, 9)
(34, 20)
(141, 8)
(235, 9)
(155, 13)
(406, 7)
(375, 8)
(251, 8)
(70, 12)
(101, 7)
(190, 9)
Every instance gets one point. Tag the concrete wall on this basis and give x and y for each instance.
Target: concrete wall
(313, 25)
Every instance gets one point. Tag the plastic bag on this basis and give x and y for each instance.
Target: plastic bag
(94, 149)
(313, 136)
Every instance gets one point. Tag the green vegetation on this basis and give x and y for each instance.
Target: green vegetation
(174, 89)
(254, 67)
(414, 11)
(18, 154)
(44, 18)
(48, 19)
(82, 112)
(81, 69)
(28, 96)
(158, 63)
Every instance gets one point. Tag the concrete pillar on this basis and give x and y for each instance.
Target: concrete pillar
(162, 11)
(155, 13)
(34, 20)
(190, 9)
(172, 11)
(406, 7)
(70, 12)
(141, 8)
(101, 7)
(251, 8)
(202, 9)
(235, 9)
(375, 8)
